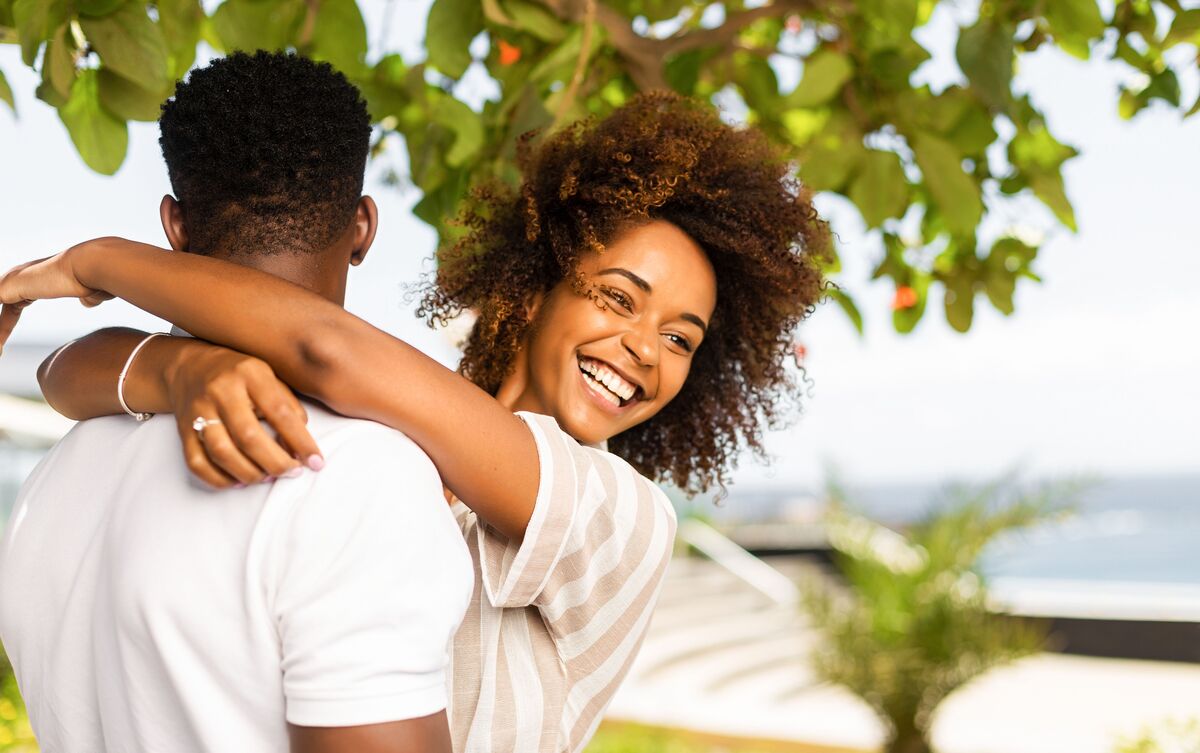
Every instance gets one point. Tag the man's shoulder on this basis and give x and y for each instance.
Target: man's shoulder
(324, 422)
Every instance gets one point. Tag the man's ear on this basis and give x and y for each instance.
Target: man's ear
(171, 215)
(366, 223)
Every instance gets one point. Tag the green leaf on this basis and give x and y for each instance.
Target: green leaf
(760, 88)
(560, 62)
(1008, 259)
(1195, 108)
(847, 305)
(6, 93)
(451, 26)
(959, 301)
(534, 19)
(340, 36)
(1185, 28)
(1163, 85)
(956, 193)
(1049, 188)
(825, 72)
(97, 7)
(1074, 23)
(180, 21)
(384, 88)
(880, 189)
(58, 65)
(36, 21)
(467, 128)
(100, 137)
(827, 165)
(130, 44)
(494, 13)
(127, 100)
(974, 132)
(441, 203)
(682, 71)
(1036, 148)
(258, 24)
(1129, 104)
(985, 54)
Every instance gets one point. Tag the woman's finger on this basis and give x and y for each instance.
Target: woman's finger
(197, 458)
(252, 439)
(220, 449)
(279, 407)
(10, 314)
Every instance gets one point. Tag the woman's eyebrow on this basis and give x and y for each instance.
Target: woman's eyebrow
(689, 317)
(630, 276)
(686, 316)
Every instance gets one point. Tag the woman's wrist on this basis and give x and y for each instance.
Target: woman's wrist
(90, 261)
(147, 386)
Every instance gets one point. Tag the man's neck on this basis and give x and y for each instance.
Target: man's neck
(312, 271)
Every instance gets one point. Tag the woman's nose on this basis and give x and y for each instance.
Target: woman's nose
(642, 345)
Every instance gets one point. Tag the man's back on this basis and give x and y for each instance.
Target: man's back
(142, 611)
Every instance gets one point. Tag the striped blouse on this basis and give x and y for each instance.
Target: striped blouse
(556, 620)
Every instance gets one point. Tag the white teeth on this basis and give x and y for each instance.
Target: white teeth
(600, 375)
(604, 393)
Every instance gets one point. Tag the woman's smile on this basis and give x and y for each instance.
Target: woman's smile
(610, 389)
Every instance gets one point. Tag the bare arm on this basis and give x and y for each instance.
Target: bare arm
(188, 378)
(428, 734)
(485, 454)
(79, 380)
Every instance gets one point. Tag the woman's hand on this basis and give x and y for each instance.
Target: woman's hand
(212, 382)
(52, 277)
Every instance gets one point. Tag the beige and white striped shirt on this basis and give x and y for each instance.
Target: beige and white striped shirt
(555, 621)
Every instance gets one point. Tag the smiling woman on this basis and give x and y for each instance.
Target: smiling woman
(641, 213)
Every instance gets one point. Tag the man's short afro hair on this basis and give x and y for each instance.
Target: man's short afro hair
(266, 153)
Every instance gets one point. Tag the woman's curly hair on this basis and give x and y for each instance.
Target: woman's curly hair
(660, 156)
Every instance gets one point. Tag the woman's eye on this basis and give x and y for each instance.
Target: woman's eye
(619, 298)
(681, 341)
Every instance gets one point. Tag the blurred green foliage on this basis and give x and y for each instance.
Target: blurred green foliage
(913, 622)
(16, 736)
(637, 738)
(926, 167)
(1171, 736)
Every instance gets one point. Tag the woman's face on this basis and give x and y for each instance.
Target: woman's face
(603, 364)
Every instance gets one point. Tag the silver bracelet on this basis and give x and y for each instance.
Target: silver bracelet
(125, 372)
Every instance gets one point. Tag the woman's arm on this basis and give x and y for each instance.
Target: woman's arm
(188, 378)
(485, 454)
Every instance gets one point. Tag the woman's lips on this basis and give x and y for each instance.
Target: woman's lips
(601, 396)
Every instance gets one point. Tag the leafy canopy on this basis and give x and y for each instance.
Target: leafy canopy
(926, 167)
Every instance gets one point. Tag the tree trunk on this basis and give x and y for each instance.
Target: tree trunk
(908, 741)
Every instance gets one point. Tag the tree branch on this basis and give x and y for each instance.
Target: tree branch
(728, 31)
(644, 57)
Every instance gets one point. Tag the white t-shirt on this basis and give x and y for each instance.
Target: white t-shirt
(144, 612)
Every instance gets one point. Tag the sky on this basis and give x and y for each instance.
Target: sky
(1095, 373)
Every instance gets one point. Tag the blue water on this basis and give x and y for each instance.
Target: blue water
(1137, 529)
(1128, 529)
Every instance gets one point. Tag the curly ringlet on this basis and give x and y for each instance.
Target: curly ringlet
(660, 156)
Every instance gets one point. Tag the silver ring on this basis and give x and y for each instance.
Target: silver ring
(201, 423)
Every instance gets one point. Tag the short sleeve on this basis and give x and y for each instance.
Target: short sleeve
(596, 522)
(372, 578)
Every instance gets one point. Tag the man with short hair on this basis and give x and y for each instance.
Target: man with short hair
(144, 612)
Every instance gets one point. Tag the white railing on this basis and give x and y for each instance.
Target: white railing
(31, 421)
(750, 569)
